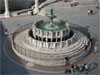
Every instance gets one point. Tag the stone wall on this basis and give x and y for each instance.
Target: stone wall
(16, 4)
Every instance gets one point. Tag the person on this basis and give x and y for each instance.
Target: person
(67, 71)
(6, 31)
(86, 67)
(71, 2)
(72, 68)
(89, 13)
(75, 66)
(74, 3)
(80, 67)
(67, 60)
(95, 49)
(91, 40)
(86, 46)
(98, 6)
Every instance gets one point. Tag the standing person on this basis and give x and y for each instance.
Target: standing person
(71, 2)
(75, 67)
(6, 31)
(74, 3)
(98, 6)
(72, 68)
(91, 40)
(67, 60)
(86, 67)
(95, 49)
(86, 46)
(91, 10)
(89, 13)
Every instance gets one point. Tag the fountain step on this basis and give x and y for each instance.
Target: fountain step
(75, 53)
(80, 55)
(74, 47)
(33, 45)
(76, 50)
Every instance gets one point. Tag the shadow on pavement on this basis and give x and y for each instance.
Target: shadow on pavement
(6, 65)
(92, 66)
(49, 3)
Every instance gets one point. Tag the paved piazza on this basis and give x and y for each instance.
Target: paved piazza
(10, 67)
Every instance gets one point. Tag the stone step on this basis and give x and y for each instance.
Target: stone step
(80, 55)
(77, 49)
(30, 46)
(38, 55)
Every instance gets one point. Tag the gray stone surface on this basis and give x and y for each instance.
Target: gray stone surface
(10, 68)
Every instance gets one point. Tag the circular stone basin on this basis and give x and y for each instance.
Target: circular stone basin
(46, 26)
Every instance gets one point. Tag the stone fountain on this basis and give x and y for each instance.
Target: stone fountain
(51, 16)
(48, 42)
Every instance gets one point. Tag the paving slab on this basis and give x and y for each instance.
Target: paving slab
(82, 19)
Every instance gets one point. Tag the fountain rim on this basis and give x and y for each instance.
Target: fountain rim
(54, 20)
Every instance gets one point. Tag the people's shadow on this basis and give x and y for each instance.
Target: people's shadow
(78, 27)
(92, 66)
(8, 67)
(49, 3)
(95, 13)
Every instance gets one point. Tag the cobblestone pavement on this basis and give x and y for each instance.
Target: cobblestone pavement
(10, 68)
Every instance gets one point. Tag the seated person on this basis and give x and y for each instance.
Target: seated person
(80, 67)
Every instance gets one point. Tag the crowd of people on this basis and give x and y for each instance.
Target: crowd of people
(73, 67)
(79, 68)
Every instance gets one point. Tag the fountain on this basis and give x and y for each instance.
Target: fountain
(48, 42)
(52, 24)
(51, 16)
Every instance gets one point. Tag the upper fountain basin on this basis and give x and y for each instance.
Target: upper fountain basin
(45, 25)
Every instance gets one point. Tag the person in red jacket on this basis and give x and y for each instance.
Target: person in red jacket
(89, 13)
(6, 31)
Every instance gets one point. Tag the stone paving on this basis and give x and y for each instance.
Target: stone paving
(8, 67)
(64, 8)
(57, 69)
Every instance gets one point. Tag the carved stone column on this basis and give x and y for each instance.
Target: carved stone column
(7, 13)
(36, 10)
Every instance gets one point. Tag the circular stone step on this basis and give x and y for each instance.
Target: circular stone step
(50, 57)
